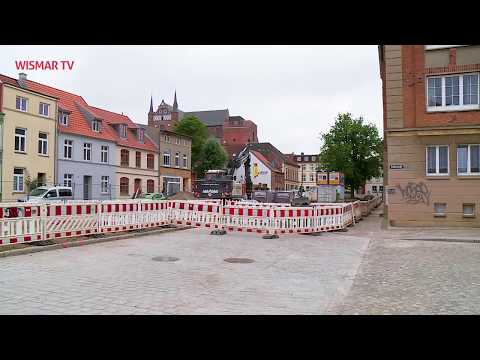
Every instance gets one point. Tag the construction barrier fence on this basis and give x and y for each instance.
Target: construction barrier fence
(28, 222)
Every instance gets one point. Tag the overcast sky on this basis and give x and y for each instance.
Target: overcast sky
(292, 93)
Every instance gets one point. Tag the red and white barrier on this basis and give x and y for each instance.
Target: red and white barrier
(25, 222)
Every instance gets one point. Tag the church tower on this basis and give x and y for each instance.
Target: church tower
(150, 112)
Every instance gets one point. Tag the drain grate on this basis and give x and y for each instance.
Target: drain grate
(165, 258)
(238, 260)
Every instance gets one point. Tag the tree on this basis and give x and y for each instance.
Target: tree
(213, 156)
(353, 148)
(193, 127)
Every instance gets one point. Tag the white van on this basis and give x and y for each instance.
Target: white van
(45, 193)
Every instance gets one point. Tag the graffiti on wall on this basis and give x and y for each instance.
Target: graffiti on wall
(415, 193)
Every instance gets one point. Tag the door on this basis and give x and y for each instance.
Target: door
(87, 187)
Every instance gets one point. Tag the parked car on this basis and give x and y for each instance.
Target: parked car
(46, 193)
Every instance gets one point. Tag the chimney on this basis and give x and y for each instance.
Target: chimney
(22, 78)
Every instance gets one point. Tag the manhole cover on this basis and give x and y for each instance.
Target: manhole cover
(239, 260)
(165, 258)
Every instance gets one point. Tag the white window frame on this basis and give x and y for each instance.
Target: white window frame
(141, 135)
(437, 160)
(87, 149)
(469, 165)
(104, 154)
(18, 181)
(185, 161)
(167, 154)
(68, 179)
(123, 131)
(459, 107)
(96, 125)
(21, 108)
(63, 118)
(20, 137)
(44, 144)
(105, 181)
(67, 146)
(42, 108)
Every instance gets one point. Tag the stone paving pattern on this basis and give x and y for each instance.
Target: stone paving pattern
(292, 275)
(367, 270)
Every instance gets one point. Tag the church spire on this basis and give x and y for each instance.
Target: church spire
(175, 104)
(151, 104)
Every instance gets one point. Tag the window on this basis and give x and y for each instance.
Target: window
(150, 186)
(304, 167)
(166, 159)
(21, 103)
(177, 141)
(96, 125)
(312, 177)
(185, 142)
(104, 154)
(167, 138)
(185, 161)
(299, 159)
(123, 186)
(63, 118)
(43, 109)
(439, 209)
(177, 159)
(124, 157)
(64, 192)
(150, 161)
(313, 158)
(87, 151)
(138, 159)
(20, 138)
(123, 131)
(304, 178)
(18, 177)
(468, 159)
(67, 149)
(42, 144)
(437, 160)
(453, 92)
(104, 184)
(67, 180)
(51, 194)
(374, 188)
(381, 188)
(141, 135)
(468, 210)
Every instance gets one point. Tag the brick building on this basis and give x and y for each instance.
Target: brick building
(432, 134)
(233, 132)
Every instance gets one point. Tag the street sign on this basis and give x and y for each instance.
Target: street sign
(398, 166)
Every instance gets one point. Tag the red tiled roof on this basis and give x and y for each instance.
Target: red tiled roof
(78, 124)
(131, 141)
(264, 160)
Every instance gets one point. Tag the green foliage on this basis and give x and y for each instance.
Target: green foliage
(197, 130)
(353, 148)
(213, 156)
(31, 184)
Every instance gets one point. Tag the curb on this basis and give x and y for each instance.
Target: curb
(464, 240)
(36, 249)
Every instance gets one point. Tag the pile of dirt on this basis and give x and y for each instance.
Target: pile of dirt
(182, 195)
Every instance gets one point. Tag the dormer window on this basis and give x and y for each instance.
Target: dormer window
(96, 125)
(123, 131)
(140, 135)
(63, 118)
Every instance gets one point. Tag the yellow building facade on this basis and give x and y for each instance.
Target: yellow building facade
(28, 140)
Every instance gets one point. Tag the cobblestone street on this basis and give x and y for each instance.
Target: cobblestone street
(291, 275)
(366, 270)
(415, 277)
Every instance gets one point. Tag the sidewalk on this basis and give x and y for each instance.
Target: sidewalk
(372, 227)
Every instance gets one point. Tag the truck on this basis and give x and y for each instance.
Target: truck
(282, 197)
(217, 184)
